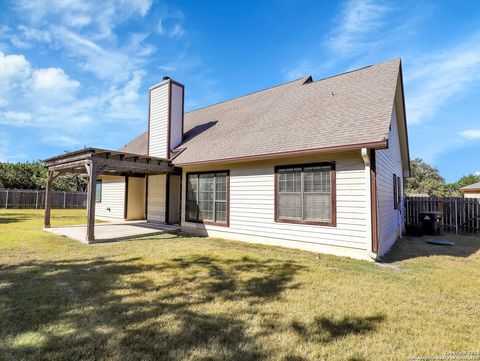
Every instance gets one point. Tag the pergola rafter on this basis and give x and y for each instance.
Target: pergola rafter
(93, 162)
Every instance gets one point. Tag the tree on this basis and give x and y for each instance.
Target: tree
(466, 180)
(33, 175)
(424, 179)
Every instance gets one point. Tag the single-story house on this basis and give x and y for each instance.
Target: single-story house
(310, 164)
(471, 191)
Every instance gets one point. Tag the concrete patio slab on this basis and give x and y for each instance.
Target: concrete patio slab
(109, 232)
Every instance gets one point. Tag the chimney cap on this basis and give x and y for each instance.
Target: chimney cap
(166, 77)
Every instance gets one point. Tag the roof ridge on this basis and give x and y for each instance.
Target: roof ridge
(305, 78)
(355, 70)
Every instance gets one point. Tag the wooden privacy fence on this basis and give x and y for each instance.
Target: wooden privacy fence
(460, 215)
(35, 199)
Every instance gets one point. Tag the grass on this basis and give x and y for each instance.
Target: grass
(184, 298)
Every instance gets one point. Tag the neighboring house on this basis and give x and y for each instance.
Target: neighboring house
(316, 165)
(471, 191)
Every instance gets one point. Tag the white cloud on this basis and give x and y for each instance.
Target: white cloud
(53, 80)
(434, 80)
(15, 70)
(170, 23)
(100, 17)
(357, 21)
(106, 63)
(123, 101)
(13, 67)
(15, 118)
(477, 173)
(471, 134)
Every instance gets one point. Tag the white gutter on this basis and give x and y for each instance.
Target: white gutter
(368, 193)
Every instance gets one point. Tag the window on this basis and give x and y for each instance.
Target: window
(399, 193)
(98, 191)
(395, 190)
(305, 194)
(207, 197)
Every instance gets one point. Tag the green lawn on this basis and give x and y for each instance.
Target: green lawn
(177, 298)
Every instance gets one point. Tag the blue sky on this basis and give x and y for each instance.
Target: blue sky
(76, 73)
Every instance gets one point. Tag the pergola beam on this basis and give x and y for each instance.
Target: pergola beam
(96, 162)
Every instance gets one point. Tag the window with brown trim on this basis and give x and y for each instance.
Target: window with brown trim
(305, 194)
(395, 192)
(98, 191)
(208, 198)
(399, 193)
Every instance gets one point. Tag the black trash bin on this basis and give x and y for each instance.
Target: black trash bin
(429, 220)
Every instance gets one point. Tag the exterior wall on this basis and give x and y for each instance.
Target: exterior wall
(136, 198)
(176, 127)
(158, 121)
(252, 207)
(157, 186)
(113, 197)
(389, 162)
(472, 194)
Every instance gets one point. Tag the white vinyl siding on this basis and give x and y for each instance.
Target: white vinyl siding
(158, 142)
(176, 131)
(389, 162)
(252, 203)
(113, 198)
(157, 186)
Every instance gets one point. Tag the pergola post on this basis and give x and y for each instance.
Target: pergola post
(91, 195)
(48, 198)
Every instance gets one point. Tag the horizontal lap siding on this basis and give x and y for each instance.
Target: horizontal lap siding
(158, 130)
(113, 198)
(176, 127)
(388, 163)
(156, 198)
(252, 204)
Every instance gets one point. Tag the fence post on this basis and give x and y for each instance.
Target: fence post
(36, 200)
(456, 215)
(64, 199)
(6, 200)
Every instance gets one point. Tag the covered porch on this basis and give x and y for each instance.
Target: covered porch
(93, 163)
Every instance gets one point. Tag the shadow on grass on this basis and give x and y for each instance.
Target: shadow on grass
(325, 330)
(414, 247)
(13, 217)
(104, 308)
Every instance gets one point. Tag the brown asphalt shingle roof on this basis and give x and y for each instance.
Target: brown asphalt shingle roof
(344, 110)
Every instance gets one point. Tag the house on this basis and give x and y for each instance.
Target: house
(310, 164)
(471, 191)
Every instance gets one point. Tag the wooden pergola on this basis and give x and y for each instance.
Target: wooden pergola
(93, 162)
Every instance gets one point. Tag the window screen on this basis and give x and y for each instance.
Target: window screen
(395, 192)
(304, 193)
(98, 191)
(207, 197)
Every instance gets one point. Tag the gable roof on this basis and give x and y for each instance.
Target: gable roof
(471, 187)
(348, 111)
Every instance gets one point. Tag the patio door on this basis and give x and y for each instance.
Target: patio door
(174, 191)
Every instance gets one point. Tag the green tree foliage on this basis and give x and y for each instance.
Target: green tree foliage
(427, 179)
(424, 179)
(466, 180)
(33, 175)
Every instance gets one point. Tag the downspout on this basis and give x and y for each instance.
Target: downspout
(368, 193)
